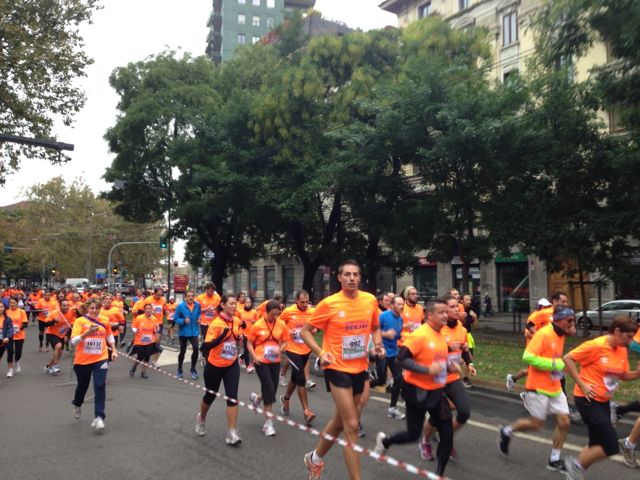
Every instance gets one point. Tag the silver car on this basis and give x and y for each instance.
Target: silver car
(610, 310)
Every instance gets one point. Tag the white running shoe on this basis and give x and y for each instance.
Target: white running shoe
(233, 438)
(255, 400)
(511, 383)
(10, 373)
(393, 412)
(310, 384)
(77, 412)
(379, 448)
(46, 369)
(200, 426)
(17, 368)
(98, 423)
(250, 369)
(283, 381)
(268, 429)
(55, 370)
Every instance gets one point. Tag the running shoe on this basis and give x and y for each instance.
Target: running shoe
(77, 412)
(574, 415)
(268, 429)
(194, 375)
(426, 452)
(360, 430)
(393, 412)
(284, 405)
(557, 466)
(10, 373)
(98, 424)
(132, 372)
(250, 369)
(55, 370)
(315, 470)
(614, 412)
(503, 440)
(628, 454)
(308, 417)
(255, 400)
(380, 448)
(467, 383)
(200, 427)
(17, 368)
(574, 469)
(144, 375)
(310, 384)
(233, 438)
(46, 369)
(511, 383)
(180, 375)
(283, 381)
(453, 456)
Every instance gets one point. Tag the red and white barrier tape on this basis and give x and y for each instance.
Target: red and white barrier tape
(407, 467)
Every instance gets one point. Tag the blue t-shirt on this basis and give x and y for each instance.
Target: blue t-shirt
(389, 320)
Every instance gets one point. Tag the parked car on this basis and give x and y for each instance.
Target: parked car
(609, 310)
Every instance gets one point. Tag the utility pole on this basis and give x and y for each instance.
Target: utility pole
(168, 254)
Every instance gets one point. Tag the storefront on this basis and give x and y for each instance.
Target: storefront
(425, 278)
(513, 282)
(472, 283)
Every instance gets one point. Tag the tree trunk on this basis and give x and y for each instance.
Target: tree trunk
(370, 279)
(583, 297)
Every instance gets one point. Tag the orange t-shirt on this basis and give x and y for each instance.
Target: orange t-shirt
(227, 351)
(170, 310)
(295, 319)
(600, 367)
(19, 318)
(115, 316)
(248, 317)
(541, 317)
(427, 347)
(262, 309)
(347, 324)
(412, 317)
(138, 307)
(64, 322)
(546, 343)
(208, 307)
(266, 339)
(158, 307)
(93, 348)
(119, 304)
(146, 330)
(46, 307)
(636, 337)
(456, 338)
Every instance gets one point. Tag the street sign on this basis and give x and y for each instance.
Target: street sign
(101, 273)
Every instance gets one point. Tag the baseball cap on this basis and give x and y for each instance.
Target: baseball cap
(543, 302)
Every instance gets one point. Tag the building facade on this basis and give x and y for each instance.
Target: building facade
(234, 23)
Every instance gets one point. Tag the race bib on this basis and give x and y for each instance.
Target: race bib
(271, 353)
(63, 330)
(157, 309)
(412, 326)
(170, 316)
(611, 383)
(441, 378)
(295, 334)
(92, 346)
(229, 350)
(209, 313)
(353, 346)
(455, 358)
(146, 338)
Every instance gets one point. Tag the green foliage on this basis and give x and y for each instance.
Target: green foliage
(41, 56)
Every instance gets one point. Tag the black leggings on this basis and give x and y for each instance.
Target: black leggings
(597, 418)
(268, 374)
(396, 371)
(9, 349)
(213, 376)
(41, 328)
(418, 403)
(456, 392)
(183, 351)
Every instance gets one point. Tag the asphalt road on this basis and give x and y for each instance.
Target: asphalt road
(150, 434)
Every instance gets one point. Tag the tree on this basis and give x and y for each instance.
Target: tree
(40, 58)
(569, 28)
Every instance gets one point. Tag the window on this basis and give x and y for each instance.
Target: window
(255, 21)
(510, 76)
(242, 39)
(255, 39)
(269, 282)
(509, 29)
(615, 122)
(271, 22)
(256, 3)
(271, 3)
(463, 4)
(424, 10)
(237, 282)
(288, 288)
(242, 2)
(253, 282)
(242, 19)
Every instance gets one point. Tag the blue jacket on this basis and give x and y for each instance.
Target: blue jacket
(389, 320)
(182, 312)
(7, 328)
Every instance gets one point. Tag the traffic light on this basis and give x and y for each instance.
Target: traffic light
(114, 270)
(53, 271)
(163, 242)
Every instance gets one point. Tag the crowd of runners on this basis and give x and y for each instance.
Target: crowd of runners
(423, 354)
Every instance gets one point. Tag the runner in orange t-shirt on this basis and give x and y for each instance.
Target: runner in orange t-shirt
(170, 311)
(266, 341)
(115, 316)
(544, 395)
(248, 316)
(59, 324)
(45, 305)
(20, 321)
(221, 351)
(91, 335)
(297, 353)
(157, 301)
(145, 329)
(413, 313)
(424, 358)
(603, 364)
(347, 319)
(209, 302)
